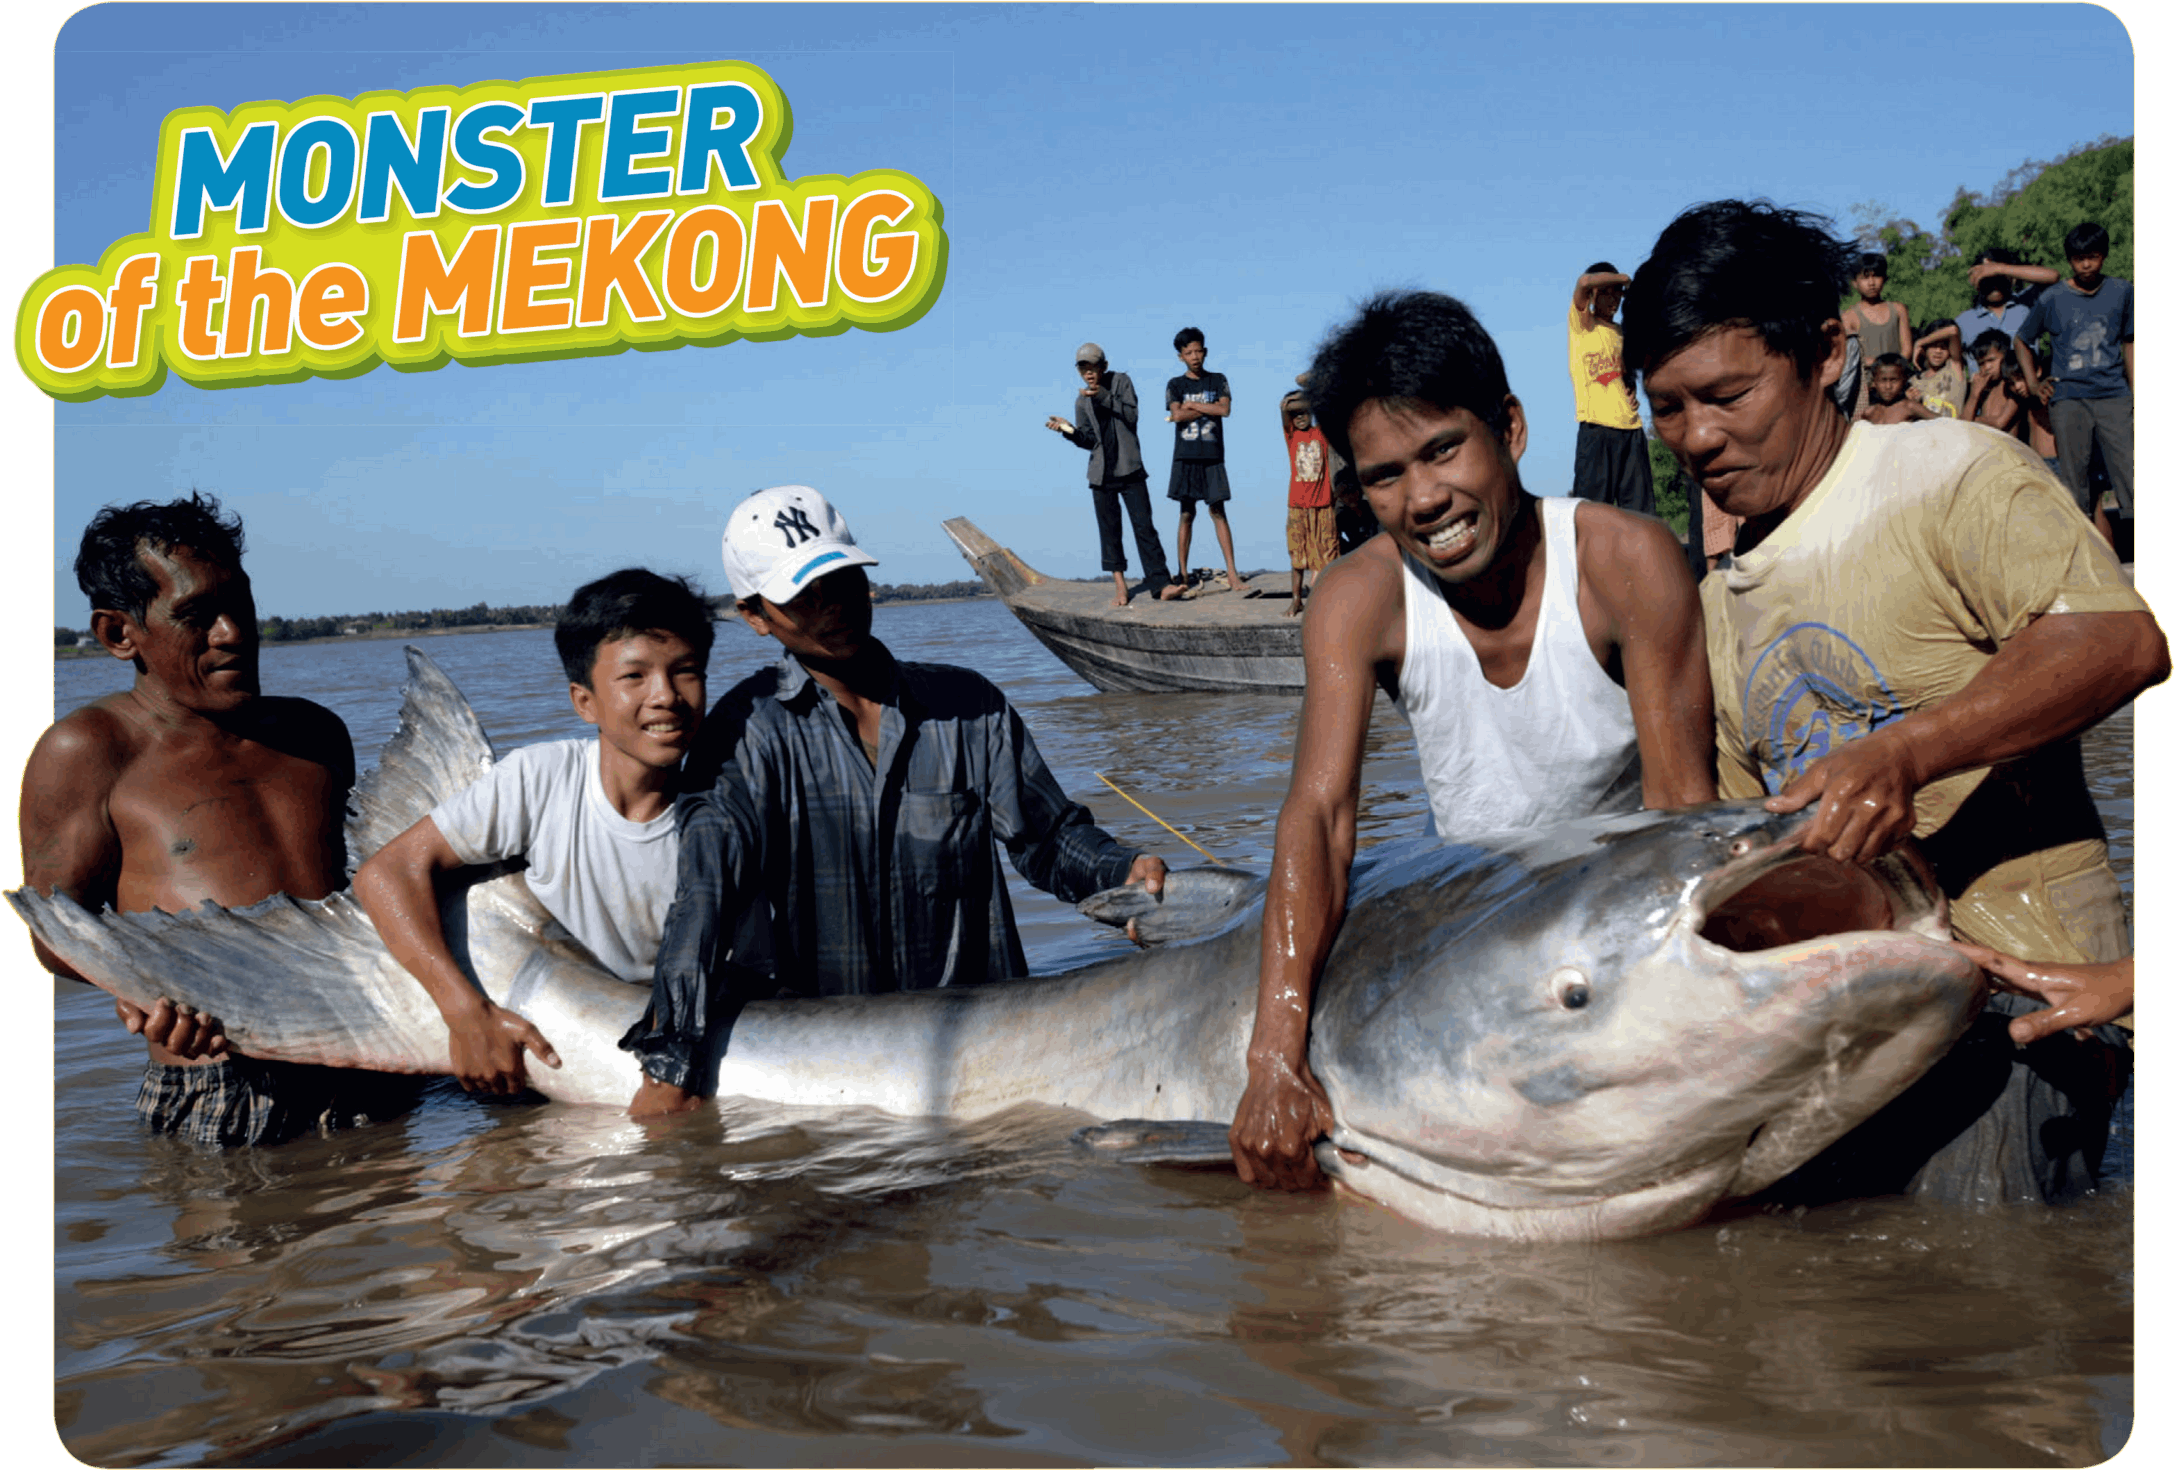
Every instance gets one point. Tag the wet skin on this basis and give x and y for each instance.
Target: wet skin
(646, 694)
(189, 785)
(1445, 489)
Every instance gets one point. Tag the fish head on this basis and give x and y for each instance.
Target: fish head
(1607, 1027)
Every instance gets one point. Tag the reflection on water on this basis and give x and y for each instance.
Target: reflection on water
(536, 1284)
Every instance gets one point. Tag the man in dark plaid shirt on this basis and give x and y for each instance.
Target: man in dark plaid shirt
(858, 800)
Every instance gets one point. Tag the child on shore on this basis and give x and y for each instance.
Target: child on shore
(1310, 518)
(1199, 402)
(1940, 383)
(1880, 326)
(1989, 398)
(1887, 400)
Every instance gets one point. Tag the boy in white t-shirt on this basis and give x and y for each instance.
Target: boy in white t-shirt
(593, 818)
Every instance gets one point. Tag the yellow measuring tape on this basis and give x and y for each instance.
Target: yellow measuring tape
(1174, 832)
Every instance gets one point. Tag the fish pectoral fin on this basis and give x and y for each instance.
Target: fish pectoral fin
(1194, 1143)
(1195, 902)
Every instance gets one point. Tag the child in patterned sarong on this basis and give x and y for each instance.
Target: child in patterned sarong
(1310, 520)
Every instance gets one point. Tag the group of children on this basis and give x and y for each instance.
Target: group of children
(1979, 367)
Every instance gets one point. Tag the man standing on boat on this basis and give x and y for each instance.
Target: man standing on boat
(1547, 653)
(855, 801)
(1105, 423)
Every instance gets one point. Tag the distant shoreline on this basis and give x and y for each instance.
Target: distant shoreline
(94, 652)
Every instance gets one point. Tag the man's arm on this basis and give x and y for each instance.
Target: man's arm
(720, 875)
(2062, 673)
(68, 837)
(1124, 403)
(1903, 328)
(1583, 289)
(1284, 1109)
(1082, 430)
(2129, 365)
(1634, 571)
(2033, 327)
(2041, 275)
(398, 889)
(1053, 840)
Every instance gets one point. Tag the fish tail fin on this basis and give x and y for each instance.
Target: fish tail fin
(439, 749)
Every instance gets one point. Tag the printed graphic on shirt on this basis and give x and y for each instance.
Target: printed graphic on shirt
(2091, 346)
(1810, 691)
(1204, 429)
(1306, 461)
(1605, 367)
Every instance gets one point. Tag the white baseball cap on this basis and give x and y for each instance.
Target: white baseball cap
(779, 540)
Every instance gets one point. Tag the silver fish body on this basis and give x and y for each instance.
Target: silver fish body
(1592, 1030)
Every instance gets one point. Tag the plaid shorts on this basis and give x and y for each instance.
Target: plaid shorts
(246, 1100)
(1310, 535)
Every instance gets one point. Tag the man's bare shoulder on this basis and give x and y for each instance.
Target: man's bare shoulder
(1627, 560)
(102, 736)
(1610, 537)
(1358, 606)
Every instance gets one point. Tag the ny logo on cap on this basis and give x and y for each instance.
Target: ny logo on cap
(793, 524)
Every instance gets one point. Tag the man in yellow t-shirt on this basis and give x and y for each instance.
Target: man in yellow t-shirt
(1610, 464)
(1917, 626)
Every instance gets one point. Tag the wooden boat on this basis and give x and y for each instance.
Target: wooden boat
(1216, 640)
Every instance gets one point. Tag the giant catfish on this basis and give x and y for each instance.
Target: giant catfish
(1591, 1030)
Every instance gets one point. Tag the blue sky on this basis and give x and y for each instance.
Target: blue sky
(1107, 172)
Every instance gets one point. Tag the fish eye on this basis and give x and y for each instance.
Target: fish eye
(1567, 987)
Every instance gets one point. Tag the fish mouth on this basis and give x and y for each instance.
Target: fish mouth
(1804, 931)
(1774, 894)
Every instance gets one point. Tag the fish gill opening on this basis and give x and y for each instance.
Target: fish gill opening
(1800, 899)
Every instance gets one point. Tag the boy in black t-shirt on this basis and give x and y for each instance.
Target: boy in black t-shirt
(1199, 401)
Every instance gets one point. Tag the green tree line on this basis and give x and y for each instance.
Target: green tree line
(2029, 211)
(1929, 270)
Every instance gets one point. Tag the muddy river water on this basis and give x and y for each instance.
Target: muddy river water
(534, 1284)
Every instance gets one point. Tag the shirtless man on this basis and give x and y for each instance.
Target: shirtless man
(190, 785)
(1548, 654)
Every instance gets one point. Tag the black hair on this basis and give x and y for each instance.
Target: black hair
(1600, 265)
(1870, 263)
(2086, 239)
(1407, 347)
(1737, 263)
(1186, 335)
(1992, 337)
(109, 563)
(1893, 360)
(630, 601)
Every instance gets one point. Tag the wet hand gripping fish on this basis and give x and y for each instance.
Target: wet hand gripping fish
(1592, 1030)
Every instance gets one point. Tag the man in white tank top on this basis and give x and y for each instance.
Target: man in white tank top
(1549, 655)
